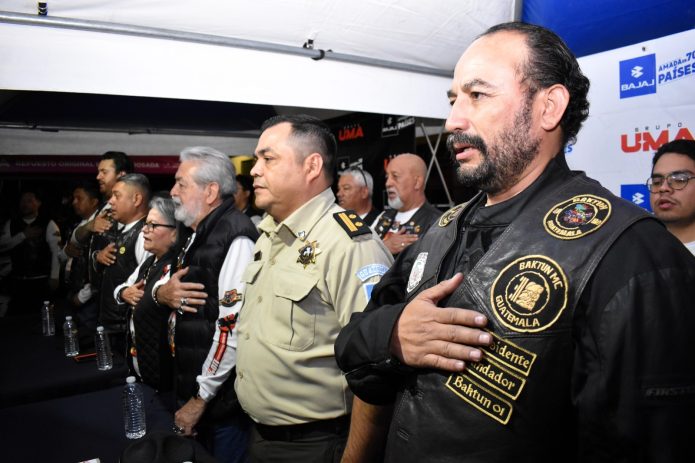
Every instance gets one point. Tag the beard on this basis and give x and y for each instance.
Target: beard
(186, 214)
(503, 162)
(395, 203)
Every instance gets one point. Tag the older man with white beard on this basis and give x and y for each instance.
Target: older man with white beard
(204, 293)
(410, 215)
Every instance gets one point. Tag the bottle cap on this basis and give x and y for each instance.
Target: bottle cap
(100, 329)
(68, 317)
(130, 379)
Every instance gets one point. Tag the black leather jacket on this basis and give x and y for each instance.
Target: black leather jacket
(591, 313)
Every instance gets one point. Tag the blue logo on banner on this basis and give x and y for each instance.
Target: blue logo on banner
(638, 76)
(638, 194)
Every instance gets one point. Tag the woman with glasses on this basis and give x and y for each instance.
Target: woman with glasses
(149, 352)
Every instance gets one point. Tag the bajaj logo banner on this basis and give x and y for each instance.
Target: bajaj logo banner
(637, 194)
(638, 76)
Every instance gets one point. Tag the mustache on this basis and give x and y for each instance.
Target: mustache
(458, 138)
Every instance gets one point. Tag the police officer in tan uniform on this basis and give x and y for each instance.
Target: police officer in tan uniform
(314, 266)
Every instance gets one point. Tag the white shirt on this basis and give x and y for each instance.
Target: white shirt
(691, 247)
(216, 370)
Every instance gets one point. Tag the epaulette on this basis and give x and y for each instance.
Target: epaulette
(351, 223)
(451, 214)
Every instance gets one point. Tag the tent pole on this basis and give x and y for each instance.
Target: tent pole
(434, 161)
(208, 39)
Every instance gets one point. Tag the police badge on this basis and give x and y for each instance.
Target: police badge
(308, 253)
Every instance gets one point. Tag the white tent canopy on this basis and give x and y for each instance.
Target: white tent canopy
(405, 50)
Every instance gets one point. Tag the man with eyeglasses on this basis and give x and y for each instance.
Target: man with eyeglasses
(355, 188)
(671, 192)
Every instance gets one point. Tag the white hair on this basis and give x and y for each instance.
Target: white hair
(213, 167)
(362, 178)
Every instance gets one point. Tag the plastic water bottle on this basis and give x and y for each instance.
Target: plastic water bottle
(72, 347)
(48, 324)
(104, 358)
(133, 409)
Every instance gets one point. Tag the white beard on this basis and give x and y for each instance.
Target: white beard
(395, 203)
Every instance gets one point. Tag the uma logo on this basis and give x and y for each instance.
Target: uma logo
(638, 76)
(652, 138)
(350, 133)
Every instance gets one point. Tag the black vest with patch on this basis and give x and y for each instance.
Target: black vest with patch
(151, 345)
(97, 242)
(513, 405)
(195, 331)
(111, 314)
(32, 257)
(418, 224)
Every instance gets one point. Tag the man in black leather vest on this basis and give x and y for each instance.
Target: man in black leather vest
(80, 295)
(129, 202)
(411, 215)
(546, 319)
(96, 233)
(206, 289)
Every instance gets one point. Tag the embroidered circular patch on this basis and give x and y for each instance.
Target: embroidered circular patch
(577, 217)
(450, 215)
(530, 294)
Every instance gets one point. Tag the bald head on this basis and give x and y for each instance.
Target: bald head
(412, 162)
(405, 182)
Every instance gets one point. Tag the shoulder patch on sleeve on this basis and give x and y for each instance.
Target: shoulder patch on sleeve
(351, 223)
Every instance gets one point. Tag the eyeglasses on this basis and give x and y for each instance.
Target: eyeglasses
(150, 226)
(358, 169)
(676, 180)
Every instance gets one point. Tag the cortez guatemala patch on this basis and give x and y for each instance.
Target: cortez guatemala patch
(530, 294)
(577, 217)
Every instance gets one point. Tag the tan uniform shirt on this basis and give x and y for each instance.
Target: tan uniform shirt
(307, 278)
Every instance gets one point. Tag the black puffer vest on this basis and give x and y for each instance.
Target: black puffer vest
(513, 405)
(195, 331)
(111, 314)
(31, 258)
(151, 345)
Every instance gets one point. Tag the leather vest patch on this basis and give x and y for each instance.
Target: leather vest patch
(417, 271)
(530, 294)
(450, 215)
(577, 217)
(492, 385)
